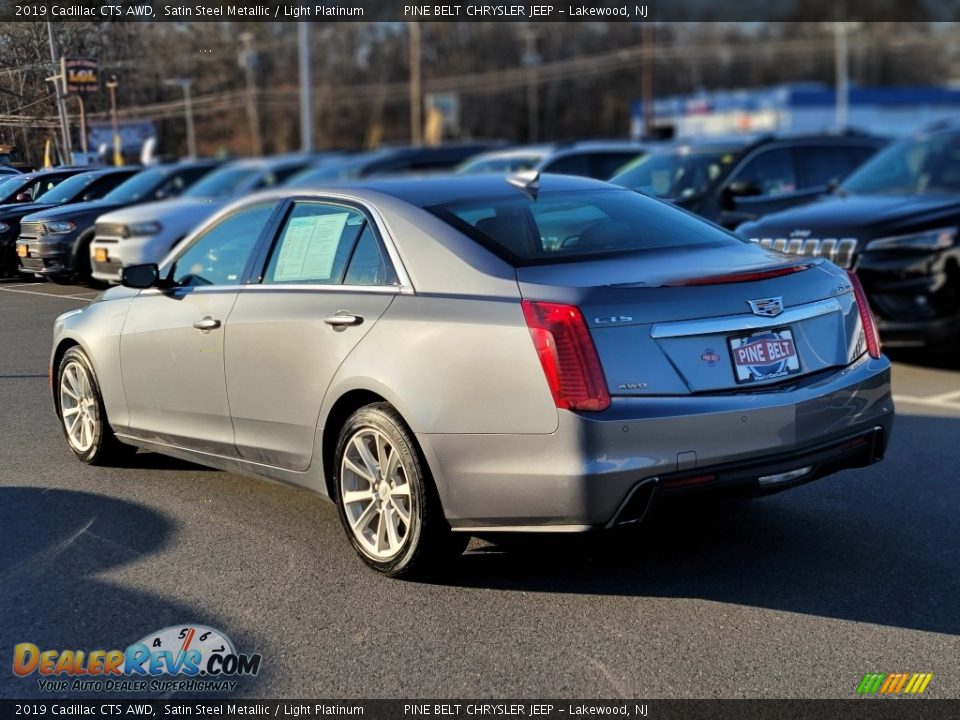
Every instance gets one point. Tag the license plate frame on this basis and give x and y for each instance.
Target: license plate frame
(762, 355)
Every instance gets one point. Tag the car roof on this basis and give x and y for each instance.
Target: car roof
(446, 188)
(720, 143)
(267, 163)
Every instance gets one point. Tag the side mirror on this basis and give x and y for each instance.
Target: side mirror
(738, 189)
(140, 276)
(23, 197)
(833, 185)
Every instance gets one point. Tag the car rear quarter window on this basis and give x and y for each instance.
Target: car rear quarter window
(567, 226)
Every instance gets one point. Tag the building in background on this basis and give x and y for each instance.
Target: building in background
(804, 107)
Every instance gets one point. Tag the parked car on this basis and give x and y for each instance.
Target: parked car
(388, 161)
(61, 187)
(896, 221)
(475, 354)
(732, 180)
(7, 170)
(26, 187)
(591, 158)
(146, 233)
(56, 242)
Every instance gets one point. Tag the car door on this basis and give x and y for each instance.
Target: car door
(326, 281)
(171, 347)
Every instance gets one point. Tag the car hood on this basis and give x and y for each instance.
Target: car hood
(21, 209)
(90, 208)
(164, 210)
(856, 216)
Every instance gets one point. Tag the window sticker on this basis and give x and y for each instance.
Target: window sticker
(309, 247)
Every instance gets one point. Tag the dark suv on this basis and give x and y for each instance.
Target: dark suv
(732, 180)
(896, 222)
(56, 242)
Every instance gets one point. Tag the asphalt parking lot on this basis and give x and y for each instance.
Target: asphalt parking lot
(796, 595)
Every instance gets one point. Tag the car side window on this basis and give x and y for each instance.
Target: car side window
(605, 165)
(569, 165)
(771, 171)
(219, 255)
(818, 165)
(315, 245)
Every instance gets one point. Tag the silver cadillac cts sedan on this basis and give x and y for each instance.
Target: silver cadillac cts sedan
(466, 355)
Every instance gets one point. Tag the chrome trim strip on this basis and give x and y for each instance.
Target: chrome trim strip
(333, 287)
(733, 323)
(522, 528)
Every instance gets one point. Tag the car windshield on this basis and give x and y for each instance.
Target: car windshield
(677, 174)
(584, 225)
(68, 190)
(499, 164)
(9, 186)
(929, 164)
(224, 183)
(138, 187)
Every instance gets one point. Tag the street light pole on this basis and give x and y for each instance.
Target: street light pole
(416, 86)
(112, 84)
(306, 88)
(531, 58)
(184, 84)
(59, 89)
(247, 58)
(842, 72)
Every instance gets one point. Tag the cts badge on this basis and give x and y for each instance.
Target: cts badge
(768, 307)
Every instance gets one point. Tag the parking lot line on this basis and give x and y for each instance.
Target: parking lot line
(42, 294)
(949, 400)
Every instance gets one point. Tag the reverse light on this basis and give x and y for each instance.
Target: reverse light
(928, 240)
(59, 227)
(866, 317)
(568, 356)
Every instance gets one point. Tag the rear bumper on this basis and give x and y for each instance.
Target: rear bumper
(585, 474)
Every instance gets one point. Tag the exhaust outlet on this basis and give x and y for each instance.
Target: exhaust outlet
(637, 505)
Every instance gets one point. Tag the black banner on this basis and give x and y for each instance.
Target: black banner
(490, 709)
(508, 11)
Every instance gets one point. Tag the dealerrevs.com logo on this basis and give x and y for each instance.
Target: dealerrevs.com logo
(894, 683)
(185, 657)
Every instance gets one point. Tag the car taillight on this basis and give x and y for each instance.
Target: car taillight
(568, 355)
(866, 316)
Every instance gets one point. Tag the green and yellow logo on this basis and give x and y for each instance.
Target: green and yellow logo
(894, 683)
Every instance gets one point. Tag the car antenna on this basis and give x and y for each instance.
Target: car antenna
(526, 180)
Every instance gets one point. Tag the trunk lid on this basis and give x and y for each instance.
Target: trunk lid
(680, 320)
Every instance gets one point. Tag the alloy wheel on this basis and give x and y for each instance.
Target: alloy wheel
(79, 409)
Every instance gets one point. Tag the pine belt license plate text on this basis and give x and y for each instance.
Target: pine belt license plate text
(100, 254)
(764, 355)
(22, 250)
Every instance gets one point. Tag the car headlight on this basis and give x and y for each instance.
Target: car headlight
(59, 227)
(144, 228)
(927, 240)
(4, 227)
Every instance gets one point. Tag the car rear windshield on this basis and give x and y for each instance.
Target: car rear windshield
(582, 225)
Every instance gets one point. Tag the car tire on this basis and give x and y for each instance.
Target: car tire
(83, 417)
(386, 499)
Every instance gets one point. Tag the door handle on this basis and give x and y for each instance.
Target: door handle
(208, 323)
(342, 320)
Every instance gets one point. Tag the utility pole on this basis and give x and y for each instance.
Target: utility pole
(248, 60)
(184, 84)
(646, 80)
(59, 85)
(842, 71)
(531, 59)
(416, 86)
(306, 88)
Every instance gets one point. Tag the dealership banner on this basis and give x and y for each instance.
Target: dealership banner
(489, 709)
(512, 11)
(80, 76)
